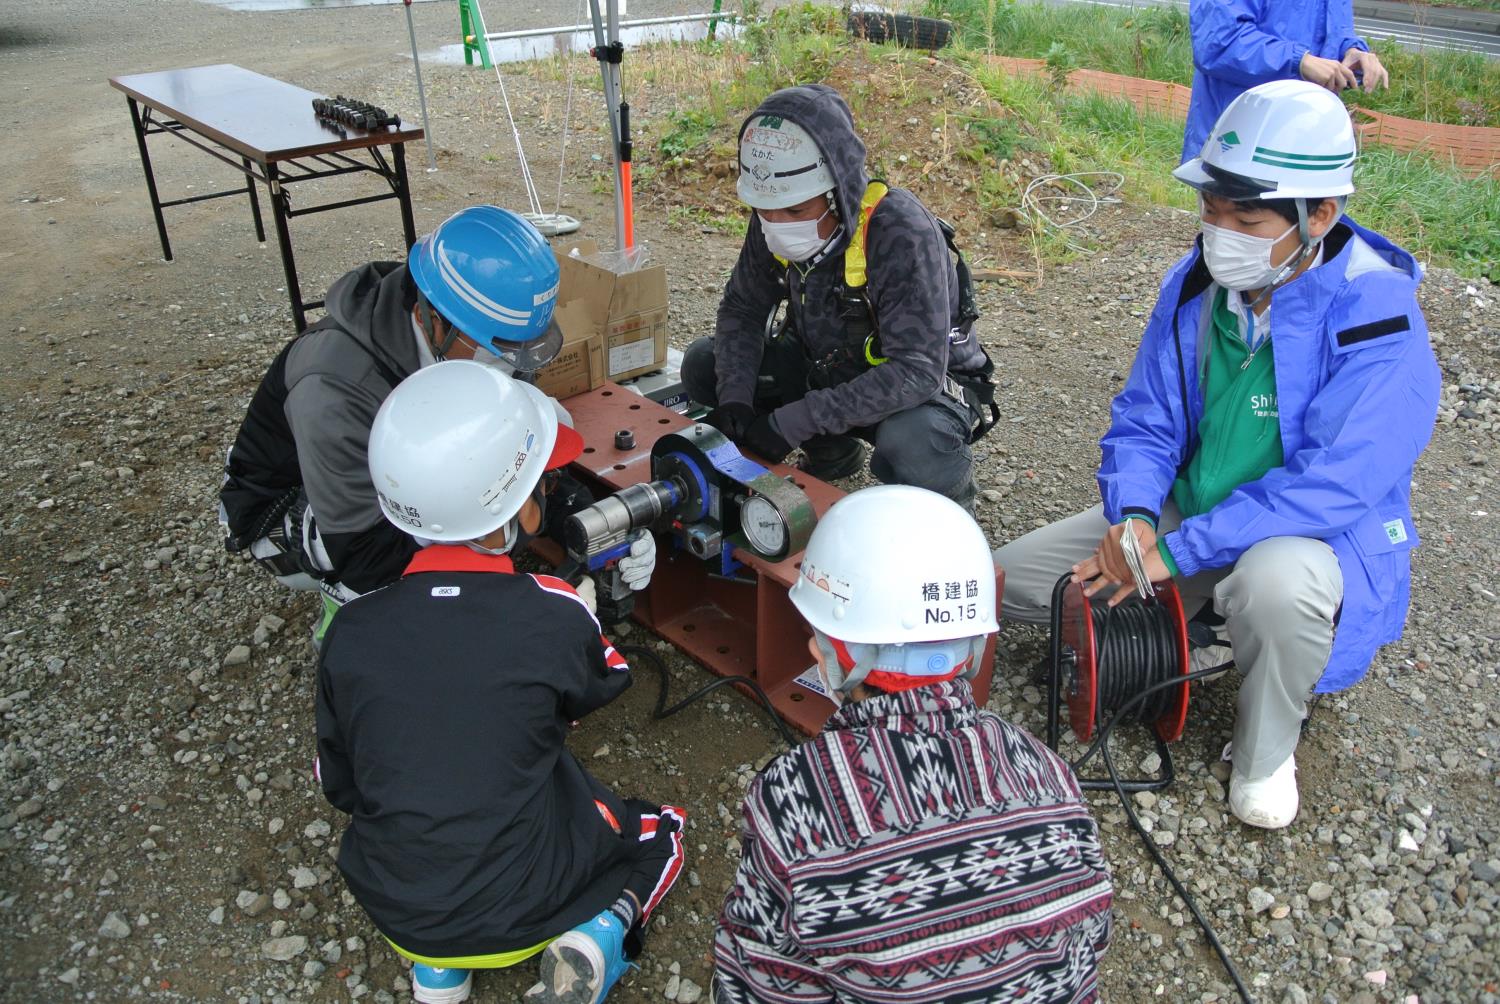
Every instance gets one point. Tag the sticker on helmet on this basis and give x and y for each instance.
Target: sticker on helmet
(839, 589)
(771, 121)
(545, 295)
(1228, 140)
(771, 138)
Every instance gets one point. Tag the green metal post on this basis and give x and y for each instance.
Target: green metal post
(473, 35)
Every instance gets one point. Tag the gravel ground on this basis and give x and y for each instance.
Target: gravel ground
(162, 834)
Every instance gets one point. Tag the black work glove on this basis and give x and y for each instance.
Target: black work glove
(731, 419)
(762, 439)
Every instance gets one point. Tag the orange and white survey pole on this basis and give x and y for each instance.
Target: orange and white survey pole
(609, 52)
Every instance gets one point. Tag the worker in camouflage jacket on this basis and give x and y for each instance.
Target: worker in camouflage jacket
(846, 317)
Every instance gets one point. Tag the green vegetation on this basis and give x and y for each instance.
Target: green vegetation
(1428, 208)
(1460, 88)
(999, 131)
(729, 223)
(1149, 42)
(690, 129)
(1476, 4)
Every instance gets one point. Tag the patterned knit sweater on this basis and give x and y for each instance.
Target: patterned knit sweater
(918, 850)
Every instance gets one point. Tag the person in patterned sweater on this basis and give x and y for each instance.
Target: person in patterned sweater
(920, 849)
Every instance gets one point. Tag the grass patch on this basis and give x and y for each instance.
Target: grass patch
(687, 130)
(1472, 4)
(725, 223)
(968, 138)
(1459, 88)
(1427, 207)
(1430, 209)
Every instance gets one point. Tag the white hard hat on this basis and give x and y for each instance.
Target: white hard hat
(895, 564)
(780, 164)
(1288, 139)
(458, 447)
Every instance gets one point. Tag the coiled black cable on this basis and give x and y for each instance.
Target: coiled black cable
(663, 711)
(1142, 672)
(1138, 641)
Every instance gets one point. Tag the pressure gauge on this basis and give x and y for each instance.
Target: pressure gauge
(765, 527)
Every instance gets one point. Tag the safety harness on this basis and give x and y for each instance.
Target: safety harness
(861, 350)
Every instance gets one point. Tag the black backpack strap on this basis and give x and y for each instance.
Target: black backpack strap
(968, 307)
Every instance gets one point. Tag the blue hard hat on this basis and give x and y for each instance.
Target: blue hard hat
(492, 275)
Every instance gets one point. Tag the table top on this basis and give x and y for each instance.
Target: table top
(259, 117)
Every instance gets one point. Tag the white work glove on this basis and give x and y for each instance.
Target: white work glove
(588, 593)
(637, 566)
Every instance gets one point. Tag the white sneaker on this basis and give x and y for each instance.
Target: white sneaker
(1269, 803)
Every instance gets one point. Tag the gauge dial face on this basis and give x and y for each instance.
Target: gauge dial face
(764, 526)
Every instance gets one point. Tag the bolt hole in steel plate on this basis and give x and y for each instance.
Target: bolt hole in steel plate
(796, 697)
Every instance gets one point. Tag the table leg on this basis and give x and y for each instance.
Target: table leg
(260, 229)
(279, 207)
(403, 193)
(140, 140)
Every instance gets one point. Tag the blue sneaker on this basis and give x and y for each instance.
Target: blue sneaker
(440, 986)
(582, 965)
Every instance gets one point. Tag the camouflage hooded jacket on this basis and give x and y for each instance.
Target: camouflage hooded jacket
(912, 287)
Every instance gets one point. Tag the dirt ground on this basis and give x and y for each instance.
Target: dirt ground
(162, 835)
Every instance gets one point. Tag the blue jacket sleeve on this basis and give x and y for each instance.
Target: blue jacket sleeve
(1341, 29)
(1144, 447)
(1229, 44)
(1364, 430)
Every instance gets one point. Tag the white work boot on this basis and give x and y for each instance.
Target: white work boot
(1269, 803)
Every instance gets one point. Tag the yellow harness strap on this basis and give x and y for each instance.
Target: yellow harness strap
(854, 254)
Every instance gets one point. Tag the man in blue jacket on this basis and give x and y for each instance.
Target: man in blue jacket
(1261, 452)
(1240, 43)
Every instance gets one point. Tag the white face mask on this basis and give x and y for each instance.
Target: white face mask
(1242, 261)
(797, 241)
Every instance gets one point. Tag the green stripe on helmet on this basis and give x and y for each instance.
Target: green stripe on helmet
(1266, 151)
(1302, 166)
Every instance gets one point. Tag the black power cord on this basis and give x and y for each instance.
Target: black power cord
(1100, 745)
(663, 711)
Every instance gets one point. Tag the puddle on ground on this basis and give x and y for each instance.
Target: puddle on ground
(260, 5)
(520, 50)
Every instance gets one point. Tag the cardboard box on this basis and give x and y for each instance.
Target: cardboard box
(579, 365)
(628, 310)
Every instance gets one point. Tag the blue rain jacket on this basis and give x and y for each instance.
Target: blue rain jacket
(1240, 43)
(1357, 387)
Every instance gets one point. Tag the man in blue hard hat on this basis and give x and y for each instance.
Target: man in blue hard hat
(297, 494)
